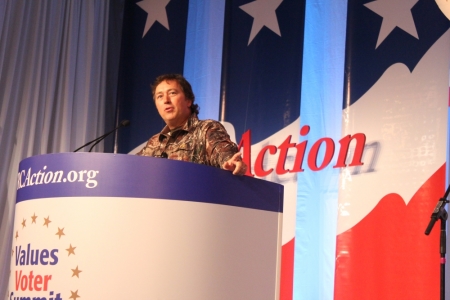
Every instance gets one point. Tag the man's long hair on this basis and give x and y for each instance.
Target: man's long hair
(184, 84)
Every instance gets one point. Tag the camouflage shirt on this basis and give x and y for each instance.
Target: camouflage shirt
(203, 142)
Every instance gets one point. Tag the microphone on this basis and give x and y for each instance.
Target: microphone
(124, 123)
(162, 155)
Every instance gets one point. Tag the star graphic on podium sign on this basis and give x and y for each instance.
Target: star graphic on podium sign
(60, 232)
(156, 11)
(395, 13)
(263, 13)
(74, 295)
(76, 272)
(47, 221)
(71, 250)
(33, 218)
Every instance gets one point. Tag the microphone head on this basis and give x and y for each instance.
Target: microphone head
(162, 155)
(124, 123)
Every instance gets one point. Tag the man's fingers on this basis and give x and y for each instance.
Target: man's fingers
(236, 157)
(240, 169)
(235, 164)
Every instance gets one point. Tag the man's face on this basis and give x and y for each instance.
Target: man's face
(172, 104)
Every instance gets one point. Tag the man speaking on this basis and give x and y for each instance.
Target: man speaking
(185, 137)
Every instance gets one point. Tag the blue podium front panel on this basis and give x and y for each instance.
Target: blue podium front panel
(108, 175)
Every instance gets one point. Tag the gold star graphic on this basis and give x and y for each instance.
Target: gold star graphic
(74, 295)
(12, 251)
(60, 232)
(17, 234)
(71, 250)
(33, 218)
(47, 221)
(24, 223)
(76, 272)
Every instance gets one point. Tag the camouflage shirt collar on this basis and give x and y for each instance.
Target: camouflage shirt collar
(191, 122)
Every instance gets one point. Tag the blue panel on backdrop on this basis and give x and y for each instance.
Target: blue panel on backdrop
(145, 55)
(203, 58)
(261, 72)
(321, 107)
(372, 54)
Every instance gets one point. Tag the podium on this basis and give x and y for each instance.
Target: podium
(106, 226)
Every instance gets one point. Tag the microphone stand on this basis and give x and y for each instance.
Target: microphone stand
(440, 213)
(93, 141)
(124, 123)
(98, 140)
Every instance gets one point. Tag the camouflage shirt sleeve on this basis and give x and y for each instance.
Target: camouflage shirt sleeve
(219, 147)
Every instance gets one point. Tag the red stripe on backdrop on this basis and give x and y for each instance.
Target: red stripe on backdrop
(287, 270)
(387, 255)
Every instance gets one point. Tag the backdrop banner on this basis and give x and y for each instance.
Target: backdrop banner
(397, 58)
(345, 105)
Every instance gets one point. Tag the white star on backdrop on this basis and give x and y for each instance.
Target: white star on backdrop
(263, 13)
(156, 11)
(395, 13)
